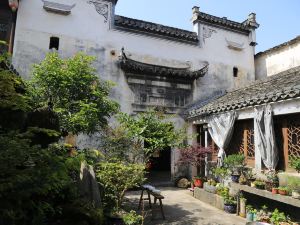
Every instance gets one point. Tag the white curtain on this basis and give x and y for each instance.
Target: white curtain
(265, 136)
(221, 129)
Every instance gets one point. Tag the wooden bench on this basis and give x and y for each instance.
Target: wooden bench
(149, 190)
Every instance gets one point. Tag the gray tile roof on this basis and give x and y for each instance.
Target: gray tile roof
(223, 22)
(136, 67)
(288, 43)
(283, 86)
(122, 22)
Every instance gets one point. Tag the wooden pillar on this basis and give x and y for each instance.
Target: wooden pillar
(285, 143)
(245, 132)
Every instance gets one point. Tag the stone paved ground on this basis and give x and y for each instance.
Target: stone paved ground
(182, 209)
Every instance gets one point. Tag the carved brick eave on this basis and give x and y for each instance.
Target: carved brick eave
(58, 7)
(135, 67)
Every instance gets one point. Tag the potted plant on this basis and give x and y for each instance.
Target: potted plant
(242, 179)
(198, 181)
(283, 190)
(295, 163)
(210, 186)
(259, 184)
(195, 155)
(249, 175)
(278, 217)
(235, 163)
(272, 180)
(294, 186)
(263, 215)
(229, 204)
(249, 215)
(220, 173)
(274, 190)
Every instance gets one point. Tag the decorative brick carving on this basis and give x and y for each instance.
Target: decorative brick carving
(101, 8)
(207, 32)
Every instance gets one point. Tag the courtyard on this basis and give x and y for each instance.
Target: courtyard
(181, 208)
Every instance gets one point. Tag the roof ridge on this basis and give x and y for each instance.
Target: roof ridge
(290, 42)
(168, 32)
(153, 23)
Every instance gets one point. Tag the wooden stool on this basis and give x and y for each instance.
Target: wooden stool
(142, 199)
(159, 197)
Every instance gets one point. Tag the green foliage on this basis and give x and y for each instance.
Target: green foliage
(116, 179)
(152, 129)
(293, 183)
(12, 92)
(295, 163)
(13, 103)
(272, 176)
(220, 172)
(234, 162)
(277, 217)
(72, 86)
(283, 188)
(35, 183)
(118, 145)
(132, 218)
(228, 200)
(223, 191)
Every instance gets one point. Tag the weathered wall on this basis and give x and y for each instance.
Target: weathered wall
(277, 60)
(86, 30)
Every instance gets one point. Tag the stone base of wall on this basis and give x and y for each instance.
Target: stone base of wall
(209, 198)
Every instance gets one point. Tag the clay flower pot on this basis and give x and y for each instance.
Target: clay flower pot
(282, 192)
(198, 182)
(274, 190)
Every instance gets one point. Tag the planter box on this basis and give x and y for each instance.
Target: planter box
(209, 198)
(209, 188)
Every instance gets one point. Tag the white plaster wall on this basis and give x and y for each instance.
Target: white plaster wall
(278, 60)
(85, 30)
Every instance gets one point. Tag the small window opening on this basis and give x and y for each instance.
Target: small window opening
(235, 71)
(54, 43)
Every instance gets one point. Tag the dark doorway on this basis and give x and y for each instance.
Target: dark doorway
(161, 160)
(159, 171)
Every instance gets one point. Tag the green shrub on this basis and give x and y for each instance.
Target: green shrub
(295, 163)
(132, 218)
(116, 179)
(35, 183)
(277, 217)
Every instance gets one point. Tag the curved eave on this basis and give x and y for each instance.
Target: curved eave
(135, 67)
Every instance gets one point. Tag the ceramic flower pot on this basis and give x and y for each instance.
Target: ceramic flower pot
(249, 217)
(235, 178)
(198, 182)
(230, 208)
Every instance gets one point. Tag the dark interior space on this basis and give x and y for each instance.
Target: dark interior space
(161, 160)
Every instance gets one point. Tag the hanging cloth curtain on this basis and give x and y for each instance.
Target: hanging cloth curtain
(265, 136)
(221, 129)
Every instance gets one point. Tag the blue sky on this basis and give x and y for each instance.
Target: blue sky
(279, 20)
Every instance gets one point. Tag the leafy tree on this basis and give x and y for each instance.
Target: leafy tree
(152, 130)
(116, 178)
(76, 93)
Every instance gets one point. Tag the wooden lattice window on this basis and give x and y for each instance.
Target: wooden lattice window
(242, 141)
(293, 140)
